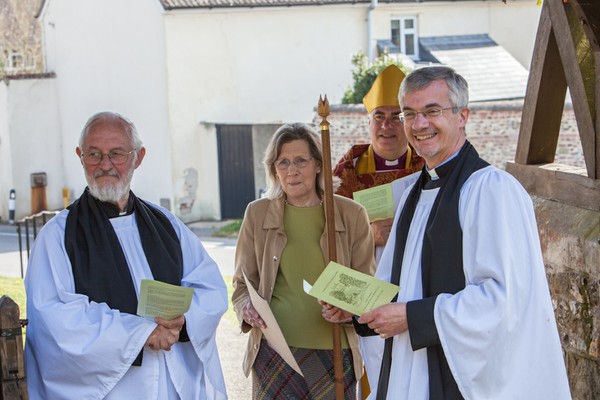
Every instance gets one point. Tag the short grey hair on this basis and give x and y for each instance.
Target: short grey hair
(130, 129)
(285, 134)
(421, 77)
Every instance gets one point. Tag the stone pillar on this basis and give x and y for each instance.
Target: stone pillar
(570, 238)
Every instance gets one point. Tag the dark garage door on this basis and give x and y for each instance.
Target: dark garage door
(236, 169)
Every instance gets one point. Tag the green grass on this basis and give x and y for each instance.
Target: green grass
(230, 314)
(15, 289)
(229, 230)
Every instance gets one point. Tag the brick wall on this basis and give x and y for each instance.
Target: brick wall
(493, 129)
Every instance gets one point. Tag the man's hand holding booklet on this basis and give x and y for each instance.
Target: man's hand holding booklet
(159, 299)
(351, 290)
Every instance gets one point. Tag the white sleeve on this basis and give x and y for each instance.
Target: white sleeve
(500, 329)
(72, 345)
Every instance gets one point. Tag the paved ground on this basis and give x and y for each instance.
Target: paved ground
(230, 342)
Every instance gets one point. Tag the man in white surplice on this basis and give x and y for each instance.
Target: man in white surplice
(84, 339)
(473, 318)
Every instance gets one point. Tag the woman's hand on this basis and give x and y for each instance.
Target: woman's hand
(334, 314)
(251, 316)
(381, 231)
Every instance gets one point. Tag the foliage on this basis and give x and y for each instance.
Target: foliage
(229, 230)
(364, 75)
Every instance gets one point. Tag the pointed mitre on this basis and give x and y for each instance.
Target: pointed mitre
(384, 91)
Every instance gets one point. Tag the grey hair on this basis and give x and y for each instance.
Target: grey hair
(419, 78)
(130, 129)
(285, 134)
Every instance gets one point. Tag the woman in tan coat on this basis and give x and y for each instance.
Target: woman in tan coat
(282, 242)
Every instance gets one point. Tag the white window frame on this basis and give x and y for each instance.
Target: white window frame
(29, 60)
(404, 32)
(13, 57)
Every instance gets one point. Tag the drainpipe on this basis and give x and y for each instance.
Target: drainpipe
(372, 7)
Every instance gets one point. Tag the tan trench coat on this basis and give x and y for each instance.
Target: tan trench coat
(259, 247)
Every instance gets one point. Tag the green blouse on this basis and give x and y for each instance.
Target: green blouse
(298, 314)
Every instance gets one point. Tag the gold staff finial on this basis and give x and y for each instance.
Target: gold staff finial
(323, 111)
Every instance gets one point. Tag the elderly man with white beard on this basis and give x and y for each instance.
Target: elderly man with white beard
(84, 339)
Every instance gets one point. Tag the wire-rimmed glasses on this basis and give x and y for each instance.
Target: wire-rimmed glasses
(95, 157)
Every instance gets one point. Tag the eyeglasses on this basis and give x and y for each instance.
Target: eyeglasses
(299, 163)
(427, 114)
(380, 118)
(117, 157)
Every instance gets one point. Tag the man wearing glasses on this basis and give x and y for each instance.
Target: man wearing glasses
(473, 318)
(387, 158)
(84, 339)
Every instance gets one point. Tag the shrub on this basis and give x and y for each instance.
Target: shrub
(364, 74)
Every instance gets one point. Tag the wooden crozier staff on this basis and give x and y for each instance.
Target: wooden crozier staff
(323, 111)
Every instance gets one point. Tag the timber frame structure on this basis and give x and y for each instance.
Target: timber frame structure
(566, 54)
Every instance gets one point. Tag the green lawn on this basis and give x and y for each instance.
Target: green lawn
(230, 230)
(14, 288)
(230, 314)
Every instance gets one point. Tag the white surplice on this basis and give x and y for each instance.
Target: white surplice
(77, 349)
(371, 347)
(499, 334)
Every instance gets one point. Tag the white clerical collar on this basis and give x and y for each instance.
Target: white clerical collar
(432, 174)
(389, 163)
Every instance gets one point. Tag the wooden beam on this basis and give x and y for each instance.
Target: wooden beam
(597, 137)
(558, 182)
(568, 54)
(588, 12)
(544, 99)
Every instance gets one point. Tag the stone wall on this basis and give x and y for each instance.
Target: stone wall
(493, 129)
(21, 34)
(570, 236)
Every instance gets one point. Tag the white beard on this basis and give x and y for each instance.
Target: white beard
(111, 193)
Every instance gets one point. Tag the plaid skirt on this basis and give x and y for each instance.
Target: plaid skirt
(274, 379)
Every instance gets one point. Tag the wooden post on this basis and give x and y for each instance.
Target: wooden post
(323, 110)
(13, 383)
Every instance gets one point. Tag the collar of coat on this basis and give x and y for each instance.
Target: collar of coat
(274, 217)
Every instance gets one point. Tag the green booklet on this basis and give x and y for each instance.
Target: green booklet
(159, 299)
(351, 290)
(378, 201)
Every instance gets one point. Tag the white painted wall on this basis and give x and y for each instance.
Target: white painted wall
(109, 55)
(33, 144)
(512, 25)
(251, 66)
(5, 156)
